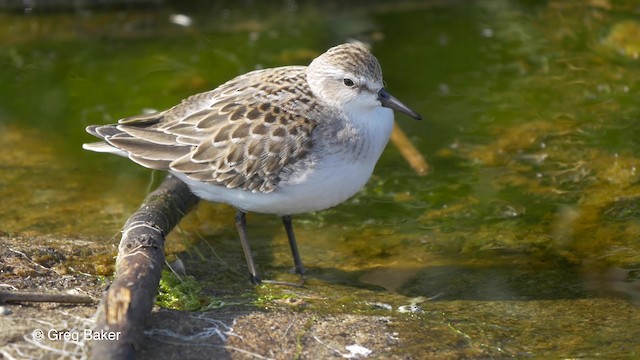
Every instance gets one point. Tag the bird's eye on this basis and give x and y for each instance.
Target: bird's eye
(348, 82)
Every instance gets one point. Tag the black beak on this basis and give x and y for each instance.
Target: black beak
(387, 100)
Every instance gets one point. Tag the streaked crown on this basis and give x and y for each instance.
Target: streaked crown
(355, 59)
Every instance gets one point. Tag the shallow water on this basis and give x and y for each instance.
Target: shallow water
(531, 126)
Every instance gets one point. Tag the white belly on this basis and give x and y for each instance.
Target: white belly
(331, 180)
(325, 186)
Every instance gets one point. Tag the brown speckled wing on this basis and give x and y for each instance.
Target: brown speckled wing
(242, 140)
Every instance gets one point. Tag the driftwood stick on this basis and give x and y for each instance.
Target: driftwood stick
(28, 296)
(129, 300)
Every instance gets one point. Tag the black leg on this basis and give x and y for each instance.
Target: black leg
(288, 227)
(241, 225)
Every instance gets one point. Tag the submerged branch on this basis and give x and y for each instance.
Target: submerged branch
(415, 159)
(129, 300)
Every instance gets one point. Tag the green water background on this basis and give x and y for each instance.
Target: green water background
(530, 130)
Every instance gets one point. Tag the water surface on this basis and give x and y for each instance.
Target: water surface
(526, 227)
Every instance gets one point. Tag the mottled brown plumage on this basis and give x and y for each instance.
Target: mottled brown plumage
(255, 128)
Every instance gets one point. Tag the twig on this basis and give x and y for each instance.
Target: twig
(129, 300)
(29, 259)
(15, 296)
(408, 151)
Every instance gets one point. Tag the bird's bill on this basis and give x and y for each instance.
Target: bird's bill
(387, 100)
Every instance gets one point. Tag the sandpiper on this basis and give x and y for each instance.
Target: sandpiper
(282, 141)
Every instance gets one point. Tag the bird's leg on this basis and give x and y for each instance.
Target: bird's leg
(288, 227)
(241, 225)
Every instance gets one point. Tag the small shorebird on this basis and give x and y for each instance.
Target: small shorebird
(282, 141)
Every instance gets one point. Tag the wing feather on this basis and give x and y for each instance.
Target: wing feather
(233, 136)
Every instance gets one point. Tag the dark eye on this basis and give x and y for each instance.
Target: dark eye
(348, 82)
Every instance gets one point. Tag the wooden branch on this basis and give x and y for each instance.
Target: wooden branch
(129, 300)
(28, 296)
